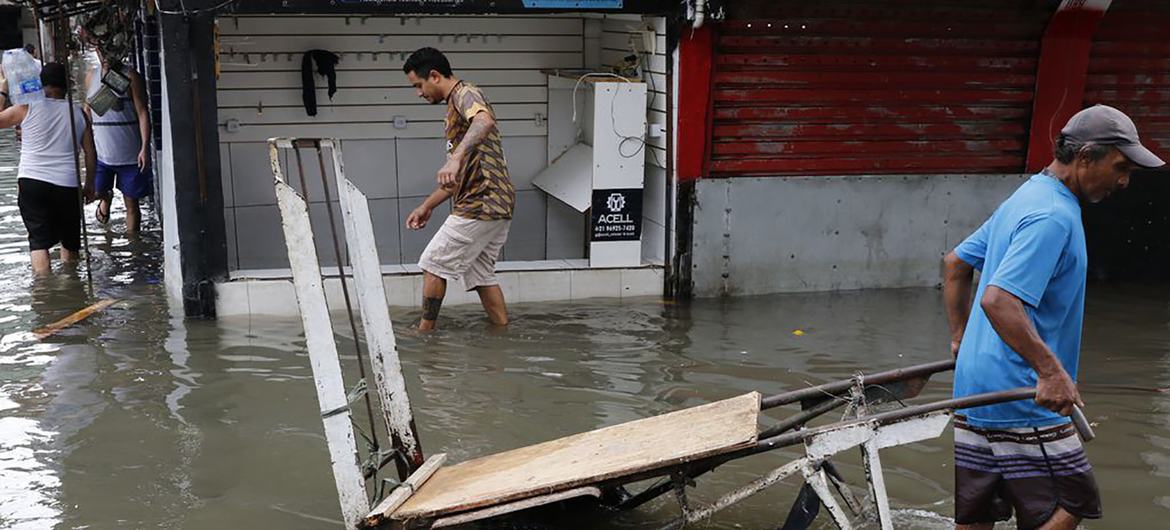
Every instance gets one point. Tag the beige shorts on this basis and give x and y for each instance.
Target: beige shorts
(466, 249)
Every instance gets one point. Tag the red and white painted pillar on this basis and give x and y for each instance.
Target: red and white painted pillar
(1061, 74)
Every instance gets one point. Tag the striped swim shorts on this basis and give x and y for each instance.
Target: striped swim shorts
(1030, 471)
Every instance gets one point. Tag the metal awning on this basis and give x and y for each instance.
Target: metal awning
(511, 7)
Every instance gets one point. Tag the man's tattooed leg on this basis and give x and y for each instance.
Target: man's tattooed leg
(431, 308)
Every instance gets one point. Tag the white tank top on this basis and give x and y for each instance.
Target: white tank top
(46, 145)
(116, 136)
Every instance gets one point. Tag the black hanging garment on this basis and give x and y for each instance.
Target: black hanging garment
(326, 63)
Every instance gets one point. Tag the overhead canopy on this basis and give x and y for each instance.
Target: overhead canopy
(343, 7)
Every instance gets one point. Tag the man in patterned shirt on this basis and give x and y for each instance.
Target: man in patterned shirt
(475, 178)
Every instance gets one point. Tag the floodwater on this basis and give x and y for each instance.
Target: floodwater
(139, 419)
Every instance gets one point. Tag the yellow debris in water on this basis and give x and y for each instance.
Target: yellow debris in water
(51, 329)
(798, 332)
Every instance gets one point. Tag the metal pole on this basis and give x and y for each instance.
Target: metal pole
(341, 278)
(802, 417)
(41, 39)
(838, 387)
(978, 400)
(319, 341)
(63, 53)
(756, 486)
(380, 347)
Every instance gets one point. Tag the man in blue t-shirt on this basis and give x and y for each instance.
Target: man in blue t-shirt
(1026, 331)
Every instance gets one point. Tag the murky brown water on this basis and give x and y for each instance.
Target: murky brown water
(138, 419)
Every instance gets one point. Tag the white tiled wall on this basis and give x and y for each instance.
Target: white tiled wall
(261, 87)
(536, 284)
(621, 36)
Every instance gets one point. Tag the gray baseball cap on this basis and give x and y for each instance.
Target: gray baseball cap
(1105, 125)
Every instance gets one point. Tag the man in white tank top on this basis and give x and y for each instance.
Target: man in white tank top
(122, 137)
(47, 179)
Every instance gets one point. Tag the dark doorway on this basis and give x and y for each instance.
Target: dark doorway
(1128, 234)
(10, 35)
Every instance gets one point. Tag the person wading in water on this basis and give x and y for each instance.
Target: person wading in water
(476, 175)
(47, 178)
(1025, 331)
(122, 138)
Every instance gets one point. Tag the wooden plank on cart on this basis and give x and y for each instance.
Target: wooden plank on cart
(588, 458)
(513, 507)
(405, 490)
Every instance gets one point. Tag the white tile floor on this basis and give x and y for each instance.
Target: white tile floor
(270, 292)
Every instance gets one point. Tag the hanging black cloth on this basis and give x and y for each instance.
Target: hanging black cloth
(326, 63)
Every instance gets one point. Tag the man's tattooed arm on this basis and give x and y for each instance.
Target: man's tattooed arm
(481, 127)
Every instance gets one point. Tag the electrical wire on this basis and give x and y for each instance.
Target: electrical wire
(577, 86)
(189, 12)
(653, 97)
(625, 139)
(49, 10)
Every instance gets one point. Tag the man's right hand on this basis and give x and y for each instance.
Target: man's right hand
(448, 175)
(417, 220)
(1057, 392)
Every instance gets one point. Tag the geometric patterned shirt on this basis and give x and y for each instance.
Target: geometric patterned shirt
(484, 190)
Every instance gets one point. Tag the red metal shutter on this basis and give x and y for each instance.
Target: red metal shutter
(1129, 67)
(846, 88)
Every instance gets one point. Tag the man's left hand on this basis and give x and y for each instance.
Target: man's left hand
(448, 175)
(1057, 392)
(142, 159)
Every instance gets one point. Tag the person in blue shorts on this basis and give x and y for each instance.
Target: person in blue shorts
(1024, 456)
(122, 137)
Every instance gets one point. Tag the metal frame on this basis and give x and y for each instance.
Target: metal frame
(389, 382)
(322, 348)
(375, 312)
(868, 432)
(517, 506)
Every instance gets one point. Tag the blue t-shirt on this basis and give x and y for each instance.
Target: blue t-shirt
(1033, 246)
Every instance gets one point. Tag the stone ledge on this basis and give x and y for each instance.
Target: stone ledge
(270, 292)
